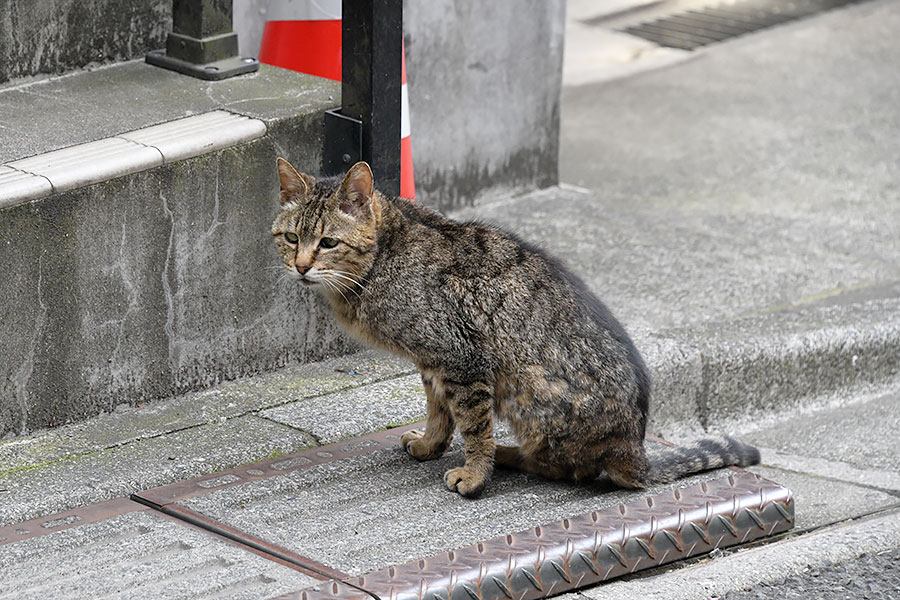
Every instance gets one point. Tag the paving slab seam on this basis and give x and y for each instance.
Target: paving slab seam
(168, 432)
(399, 375)
(884, 490)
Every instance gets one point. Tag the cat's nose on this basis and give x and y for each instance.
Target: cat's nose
(302, 269)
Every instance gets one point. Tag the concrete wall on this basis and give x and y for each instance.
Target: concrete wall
(54, 36)
(484, 91)
(153, 284)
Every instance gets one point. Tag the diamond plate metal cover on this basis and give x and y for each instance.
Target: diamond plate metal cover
(586, 549)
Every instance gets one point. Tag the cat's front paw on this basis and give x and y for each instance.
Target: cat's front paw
(413, 442)
(465, 480)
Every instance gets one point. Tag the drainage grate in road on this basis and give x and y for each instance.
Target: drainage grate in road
(695, 28)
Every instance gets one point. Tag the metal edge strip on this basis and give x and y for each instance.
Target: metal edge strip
(305, 459)
(190, 518)
(585, 549)
(67, 519)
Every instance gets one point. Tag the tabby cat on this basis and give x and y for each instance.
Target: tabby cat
(495, 326)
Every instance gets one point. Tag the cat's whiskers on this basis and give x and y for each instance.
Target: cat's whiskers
(344, 276)
(330, 284)
(343, 284)
(359, 278)
(283, 277)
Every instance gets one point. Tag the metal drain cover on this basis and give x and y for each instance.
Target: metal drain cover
(696, 28)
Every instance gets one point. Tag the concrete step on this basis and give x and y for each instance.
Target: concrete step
(134, 206)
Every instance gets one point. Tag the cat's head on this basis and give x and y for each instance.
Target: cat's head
(326, 231)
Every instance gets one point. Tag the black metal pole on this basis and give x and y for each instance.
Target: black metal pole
(370, 87)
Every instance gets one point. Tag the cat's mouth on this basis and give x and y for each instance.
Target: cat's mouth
(308, 282)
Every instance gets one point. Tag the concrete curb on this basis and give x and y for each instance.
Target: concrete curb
(735, 376)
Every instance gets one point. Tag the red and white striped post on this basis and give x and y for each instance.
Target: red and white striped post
(307, 39)
(407, 180)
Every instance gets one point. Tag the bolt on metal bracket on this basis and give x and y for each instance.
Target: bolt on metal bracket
(343, 142)
(202, 43)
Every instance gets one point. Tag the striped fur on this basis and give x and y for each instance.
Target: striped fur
(497, 327)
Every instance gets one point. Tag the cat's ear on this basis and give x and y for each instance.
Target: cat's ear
(355, 195)
(294, 185)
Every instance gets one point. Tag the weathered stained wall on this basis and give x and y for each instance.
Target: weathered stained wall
(484, 91)
(152, 284)
(54, 36)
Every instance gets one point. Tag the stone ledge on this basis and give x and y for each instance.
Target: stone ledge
(127, 153)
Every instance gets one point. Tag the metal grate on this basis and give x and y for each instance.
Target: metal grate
(696, 28)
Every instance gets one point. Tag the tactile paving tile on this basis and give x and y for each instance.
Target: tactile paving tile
(17, 186)
(101, 160)
(90, 163)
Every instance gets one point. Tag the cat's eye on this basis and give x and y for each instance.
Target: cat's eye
(328, 242)
(291, 237)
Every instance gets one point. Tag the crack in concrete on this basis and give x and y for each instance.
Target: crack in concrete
(26, 369)
(214, 222)
(814, 475)
(120, 266)
(167, 289)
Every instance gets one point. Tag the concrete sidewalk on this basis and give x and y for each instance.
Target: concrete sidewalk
(739, 213)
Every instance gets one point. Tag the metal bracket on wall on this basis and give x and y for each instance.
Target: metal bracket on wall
(371, 58)
(343, 142)
(202, 43)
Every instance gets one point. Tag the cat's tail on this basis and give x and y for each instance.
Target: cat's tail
(710, 453)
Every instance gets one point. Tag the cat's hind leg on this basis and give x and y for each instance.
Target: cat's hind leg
(433, 442)
(626, 463)
(513, 457)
